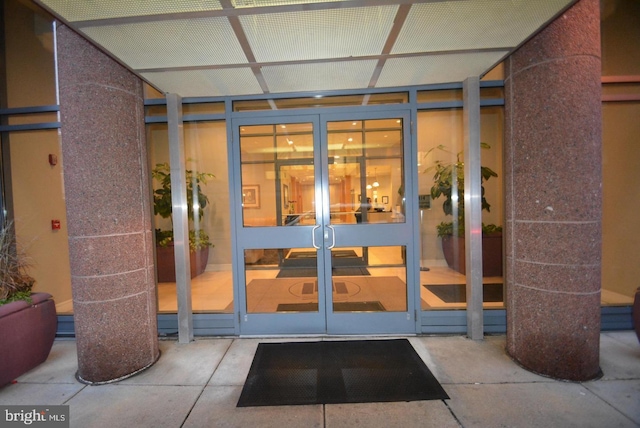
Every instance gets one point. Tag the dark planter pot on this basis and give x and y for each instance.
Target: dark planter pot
(27, 332)
(454, 253)
(167, 265)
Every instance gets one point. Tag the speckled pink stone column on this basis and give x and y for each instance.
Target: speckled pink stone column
(553, 197)
(108, 212)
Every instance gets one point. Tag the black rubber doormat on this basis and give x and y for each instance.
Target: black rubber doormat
(457, 293)
(329, 372)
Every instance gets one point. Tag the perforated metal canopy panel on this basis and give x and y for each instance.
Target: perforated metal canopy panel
(243, 47)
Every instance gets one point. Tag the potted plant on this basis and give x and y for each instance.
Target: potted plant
(28, 320)
(448, 182)
(197, 201)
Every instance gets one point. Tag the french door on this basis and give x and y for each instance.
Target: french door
(323, 234)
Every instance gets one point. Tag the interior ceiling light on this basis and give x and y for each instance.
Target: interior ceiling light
(375, 178)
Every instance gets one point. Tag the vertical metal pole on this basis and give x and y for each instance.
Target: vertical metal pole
(180, 217)
(473, 206)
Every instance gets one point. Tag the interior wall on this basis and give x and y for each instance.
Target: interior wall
(37, 200)
(36, 186)
(621, 179)
(620, 34)
(30, 64)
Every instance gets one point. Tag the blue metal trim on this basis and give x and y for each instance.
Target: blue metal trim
(66, 326)
(439, 105)
(29, 110)
(489, 102)
(432, 322)
(616, 318)
(30, 127)
(155, 119)
(203, 117)
(155, 101)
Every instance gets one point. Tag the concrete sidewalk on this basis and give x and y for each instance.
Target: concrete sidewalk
(198, 385)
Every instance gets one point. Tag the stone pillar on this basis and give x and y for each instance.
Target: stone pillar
(553, 197)
(108, 212)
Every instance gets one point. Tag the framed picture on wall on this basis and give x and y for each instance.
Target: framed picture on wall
(285, 196)
(385, 199)
(251, 196)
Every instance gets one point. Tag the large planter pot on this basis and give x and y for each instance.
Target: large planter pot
(27, 332)
(454, 253)
(167, 267)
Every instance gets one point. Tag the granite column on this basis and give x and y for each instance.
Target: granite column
(553, 197)
(108, 212)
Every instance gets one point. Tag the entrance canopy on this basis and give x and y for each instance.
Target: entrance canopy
(247, 47)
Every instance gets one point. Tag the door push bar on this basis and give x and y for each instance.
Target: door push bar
(326, 237)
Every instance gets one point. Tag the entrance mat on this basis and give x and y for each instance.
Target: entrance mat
(313, 272)
(329, 372)
(337, 307)
(457, 293)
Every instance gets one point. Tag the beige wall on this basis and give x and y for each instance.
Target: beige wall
(38, 198)
(29, 56)
(37, 187)
(621, 206)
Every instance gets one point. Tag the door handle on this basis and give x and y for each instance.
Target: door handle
(333, 236)
(313, 236)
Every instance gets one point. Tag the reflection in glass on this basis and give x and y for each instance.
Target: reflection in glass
(278, 183)
(441, 204)
(366, 171)
(364, 279)
(369, 279)
(211, 282)
(281, 280)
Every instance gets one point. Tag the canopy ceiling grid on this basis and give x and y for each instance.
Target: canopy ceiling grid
(246, 47)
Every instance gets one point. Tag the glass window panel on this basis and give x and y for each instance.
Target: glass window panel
(37, 198)
(29, 56)
(496, 73)
(440, 139)
(369, 279)
(383, 143)
(440, 144)
(257, 148)
(156, 110)
(151, 92)
(620, 33)
(277, 192)
(322, 101)
(26, 119)
(365, 171)
(441, 95)
(211, 282)
(491, 93)
(294, 146)
(281, 280)
(620, 178)
(203, 108)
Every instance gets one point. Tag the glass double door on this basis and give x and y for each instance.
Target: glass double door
(324, 242)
